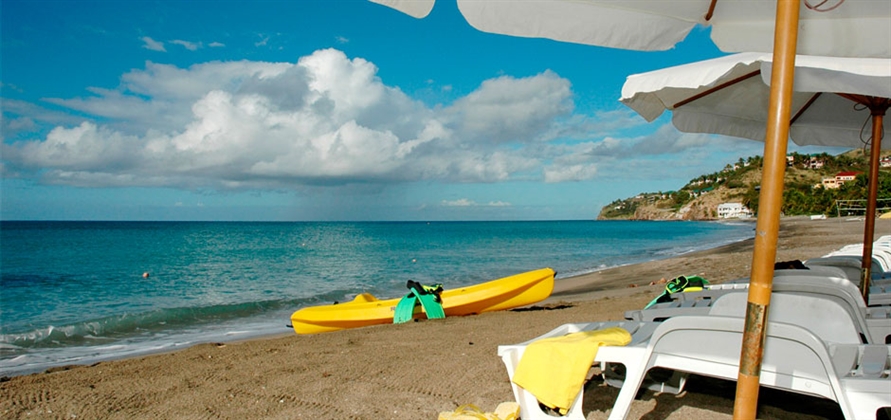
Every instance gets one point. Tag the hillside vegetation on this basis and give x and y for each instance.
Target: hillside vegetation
(739, 182)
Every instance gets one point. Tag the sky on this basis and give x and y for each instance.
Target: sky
(322, 111)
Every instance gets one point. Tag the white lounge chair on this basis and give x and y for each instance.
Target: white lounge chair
(880, 281)
(873, 323)
(880, 253)
(629, 355)
(851, 264)
(812, 348)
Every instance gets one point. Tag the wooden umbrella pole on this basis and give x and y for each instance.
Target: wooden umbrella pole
(869, 229)
(769, 207)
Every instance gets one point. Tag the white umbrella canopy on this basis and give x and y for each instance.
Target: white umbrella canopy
(730, 96)
(854, 28)
(414, 8)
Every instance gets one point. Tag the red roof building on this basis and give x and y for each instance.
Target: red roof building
(846, 176)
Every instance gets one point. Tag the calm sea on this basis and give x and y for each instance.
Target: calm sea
(74, 292)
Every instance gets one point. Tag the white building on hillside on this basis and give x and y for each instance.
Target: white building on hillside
(733, 211)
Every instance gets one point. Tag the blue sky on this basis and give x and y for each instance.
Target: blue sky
(312, 110)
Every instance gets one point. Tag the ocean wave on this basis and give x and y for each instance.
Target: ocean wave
(116, 327)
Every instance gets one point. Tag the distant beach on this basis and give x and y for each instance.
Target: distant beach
(414, 370)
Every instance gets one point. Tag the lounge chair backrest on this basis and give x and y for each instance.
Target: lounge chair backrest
(881, 255)
(823, 317)
(824, 285)
(850, 263)
(816, 270)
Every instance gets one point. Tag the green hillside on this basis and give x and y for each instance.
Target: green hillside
(804, 191)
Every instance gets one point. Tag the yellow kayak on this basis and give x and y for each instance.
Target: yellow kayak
(509, 292)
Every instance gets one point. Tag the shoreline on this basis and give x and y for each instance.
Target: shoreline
(709, 248)
(413, 370)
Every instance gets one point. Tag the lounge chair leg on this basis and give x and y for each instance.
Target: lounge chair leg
(633, 378)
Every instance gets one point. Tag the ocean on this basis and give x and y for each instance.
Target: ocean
(74, 292)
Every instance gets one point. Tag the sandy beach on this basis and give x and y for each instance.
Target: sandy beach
(414, 370)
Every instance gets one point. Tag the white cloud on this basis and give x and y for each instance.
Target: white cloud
(11, 125)
(461, 202)
(216, 44)
(342, 39)
(465, 202)
(507, 109)
(171, 92)
(499, 204)
(151, 44)
(667, 139)
(569, 173)
(324, 120)
(191, 46)
(25, 118)
(80, 148)
(10, 86)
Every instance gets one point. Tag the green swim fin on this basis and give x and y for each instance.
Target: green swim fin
(431, 305)
(405, 309)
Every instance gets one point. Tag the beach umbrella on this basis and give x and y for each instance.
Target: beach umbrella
(835, 102)
(856, 28)
(849, 28)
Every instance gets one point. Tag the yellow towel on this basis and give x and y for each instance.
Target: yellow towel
(504, 411)
(554, 369)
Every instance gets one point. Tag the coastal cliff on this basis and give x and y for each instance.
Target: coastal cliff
(649, 207)
(814, 185)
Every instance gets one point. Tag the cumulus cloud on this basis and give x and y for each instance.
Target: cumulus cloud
(151, 44)
(507, 109)
(325, 120)
(160, 97)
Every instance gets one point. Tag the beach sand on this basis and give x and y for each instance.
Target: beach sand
(413, 370)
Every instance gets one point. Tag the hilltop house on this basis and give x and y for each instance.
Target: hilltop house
(839, 180)
(733, 211)
(812, 162)
(815, 163)
(829, 183)
(843, 177)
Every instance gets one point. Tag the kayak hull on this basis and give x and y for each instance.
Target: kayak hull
(506, 293)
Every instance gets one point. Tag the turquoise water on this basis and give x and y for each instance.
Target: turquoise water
(74, 292)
